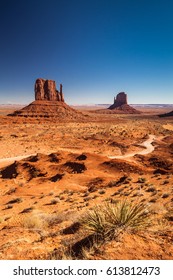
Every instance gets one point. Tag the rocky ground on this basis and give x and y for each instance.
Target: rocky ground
(68, 170)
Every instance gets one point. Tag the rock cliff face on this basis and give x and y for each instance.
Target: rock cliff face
(46, 90)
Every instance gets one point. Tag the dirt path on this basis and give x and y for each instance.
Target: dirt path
(147, 144)
(148, 149)
(6, 161)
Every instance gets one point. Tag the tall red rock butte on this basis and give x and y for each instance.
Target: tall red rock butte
(120, 105)
(49, 103)
(120, 100)
(46, 90)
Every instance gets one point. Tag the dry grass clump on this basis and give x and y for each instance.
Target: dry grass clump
(60, 254)
(15, 200)
(151, 189)
(8, 206)
(108, 220)
(39, 220)
(101, 224)
(165, 195)
(142, 180)
(54, 201)
(27, 210)
(169, 216)
(1, 219)
(35, 222)
(10, 191)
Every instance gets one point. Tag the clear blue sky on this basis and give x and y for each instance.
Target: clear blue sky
(95, 48)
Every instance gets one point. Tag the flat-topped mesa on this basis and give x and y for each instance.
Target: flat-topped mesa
(120, 100)
(46, 90)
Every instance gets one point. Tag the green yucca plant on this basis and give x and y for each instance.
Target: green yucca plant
(127, 215)
(108, 220)
(95, 221)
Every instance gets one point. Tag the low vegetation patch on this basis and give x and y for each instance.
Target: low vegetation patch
(101, 224)
(35, 222)
(15, 200)
(108, 220)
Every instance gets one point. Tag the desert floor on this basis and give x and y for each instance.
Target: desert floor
(52, 173)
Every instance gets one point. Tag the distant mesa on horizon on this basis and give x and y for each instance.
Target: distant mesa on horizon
(121, 99)
(121, 106)
(169, 114)
(49, 103)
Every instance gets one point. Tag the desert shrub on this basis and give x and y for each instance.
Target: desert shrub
(153, 200)
(94, 196)
(8, 206)
(34, 222)
(115, 193)
(60, 255)
(54, 201)
(27, 210)
(165, 195)
(51, 193)
(15, 200)
(10, 191)
(169, 216)
(87, 198)
(165, 182)
(108, 220)
(85, 194)
(101, 191)
(151, 189)
(142, 180)
(68, 199)
(112, 184)
(127, 194)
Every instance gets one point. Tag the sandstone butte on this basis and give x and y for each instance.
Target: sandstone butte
(121, 106)
(46, 90)
(49, 103)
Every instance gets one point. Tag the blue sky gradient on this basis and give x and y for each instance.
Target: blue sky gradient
(95, 48)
